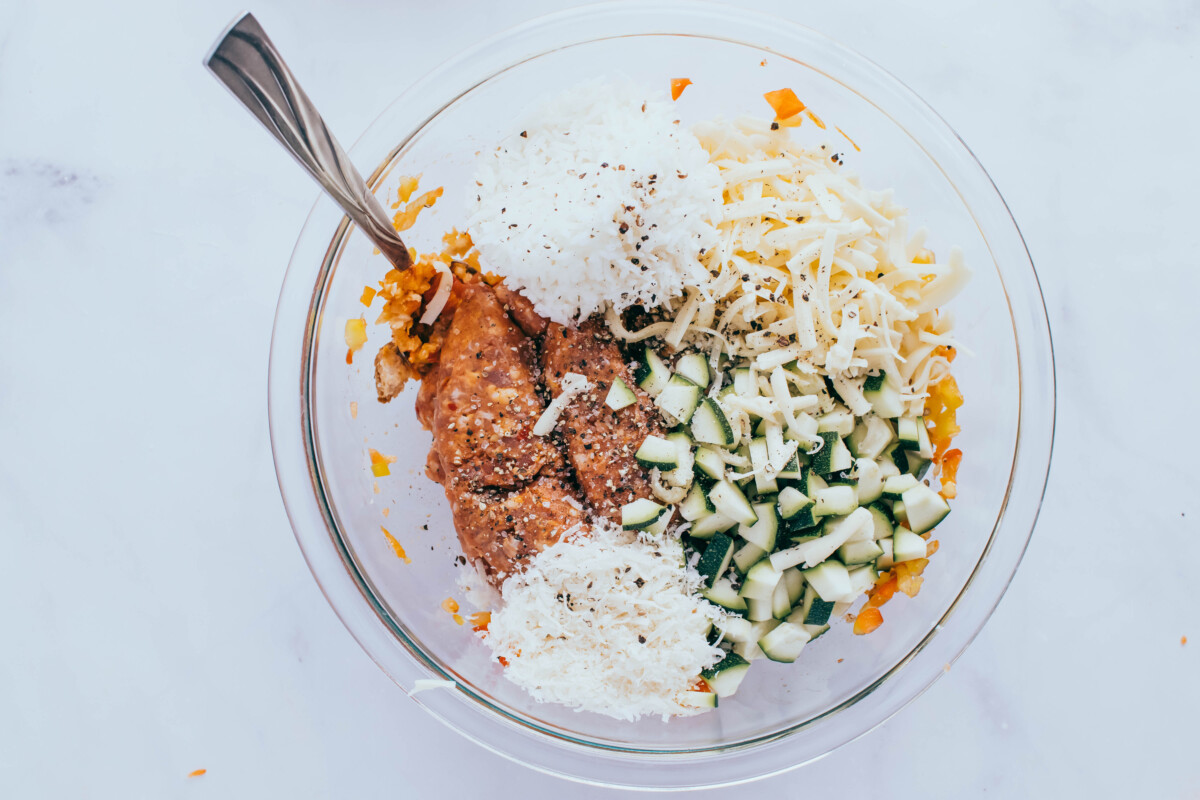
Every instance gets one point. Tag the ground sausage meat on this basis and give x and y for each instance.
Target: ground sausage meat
(600, 442)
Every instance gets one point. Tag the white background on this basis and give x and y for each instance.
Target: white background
(155, 614)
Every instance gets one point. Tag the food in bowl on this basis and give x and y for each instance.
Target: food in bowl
(688, 391)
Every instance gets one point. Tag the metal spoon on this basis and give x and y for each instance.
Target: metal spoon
(246, 61)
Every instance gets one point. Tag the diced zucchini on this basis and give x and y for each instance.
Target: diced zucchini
(839, 421)
(657, 452)
(917, 467)
(838, 499)
(907, 545)
(737, 629)
(883, 521)
(816, 630)
(908, 431)
(722, 594)
(760, 581)
(924, 507)
(659, 526)
(861, 579)
(870, 481)
(651, 373)
(759, 610)
(747, 556)
(792, 471)
(924, 446)
(814, 610)
(717, 555)
(765, 530)
(708, 462)
(694, 367)
(641, 514)
(894, 488)
(885, 561)
(706, 526)
(730, 501)
(793, 579)
(854, 553)
(897, 456)
(726, 676)
(780, 605)
(871, 437)
(750, 650)
(791, 502)
(898, 512)
(764, 478)
(619, 395)
(883, 396)
(694, 699)
(743, 383)
(696, 504)
(830, 579)
(833, 455)
(681, 476)
(679, 398)
(709, 424)
(784, 643)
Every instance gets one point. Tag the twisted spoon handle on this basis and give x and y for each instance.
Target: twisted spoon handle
(246, 61)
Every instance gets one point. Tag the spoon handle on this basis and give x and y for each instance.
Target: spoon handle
(246, 61)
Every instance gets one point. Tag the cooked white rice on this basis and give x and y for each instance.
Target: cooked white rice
(604, 197)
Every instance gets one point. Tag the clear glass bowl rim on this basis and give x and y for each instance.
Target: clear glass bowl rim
(291, 370)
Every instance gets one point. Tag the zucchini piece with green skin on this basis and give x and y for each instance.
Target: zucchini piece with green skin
(883, 396)
(641, 514)
(917, 467)
(908, 431)
(729, 500)
(833, 455)
(652, 374)
(781, 606)
(792, 471)
(885, 561)
(830, 580)
(764, 475)
(924, 508)
(696, 504)
(657, 452)
(760, 581)
(659, 526)
(793, 579)
(747, 556)
(681, 476)
(765, 531)
(706, 526)
(897, 456)
(907, 545)
(708, 462)
(814, 610)
(894, 488)
(758, 610)
(715, 560)
(709, 424)
(834, 500)
(870, 481)
(884, 525)
(802, 524)
(870, 437)
(791, 501)
(816, 631)
(695, 699)
(619, 395)
(924, 446)
(784, 643)
(899, 513)
(679, 398)
(862, 578)
(853, 554)
(726, 675)
(750, 650)
(722, 594)
(694, 367)
(737, 629)
(839, 421)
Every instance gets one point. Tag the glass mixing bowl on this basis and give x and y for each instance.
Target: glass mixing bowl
(785, 714)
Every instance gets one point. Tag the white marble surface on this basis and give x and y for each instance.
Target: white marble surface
(155, 612)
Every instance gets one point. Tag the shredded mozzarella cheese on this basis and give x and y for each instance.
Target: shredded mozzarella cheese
(573, 385)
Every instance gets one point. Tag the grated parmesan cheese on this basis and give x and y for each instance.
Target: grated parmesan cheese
(602, 198)
(608, 623)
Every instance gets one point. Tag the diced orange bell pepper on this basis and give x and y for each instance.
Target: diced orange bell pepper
(868, 620)
(678, 85)
(785, 103)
